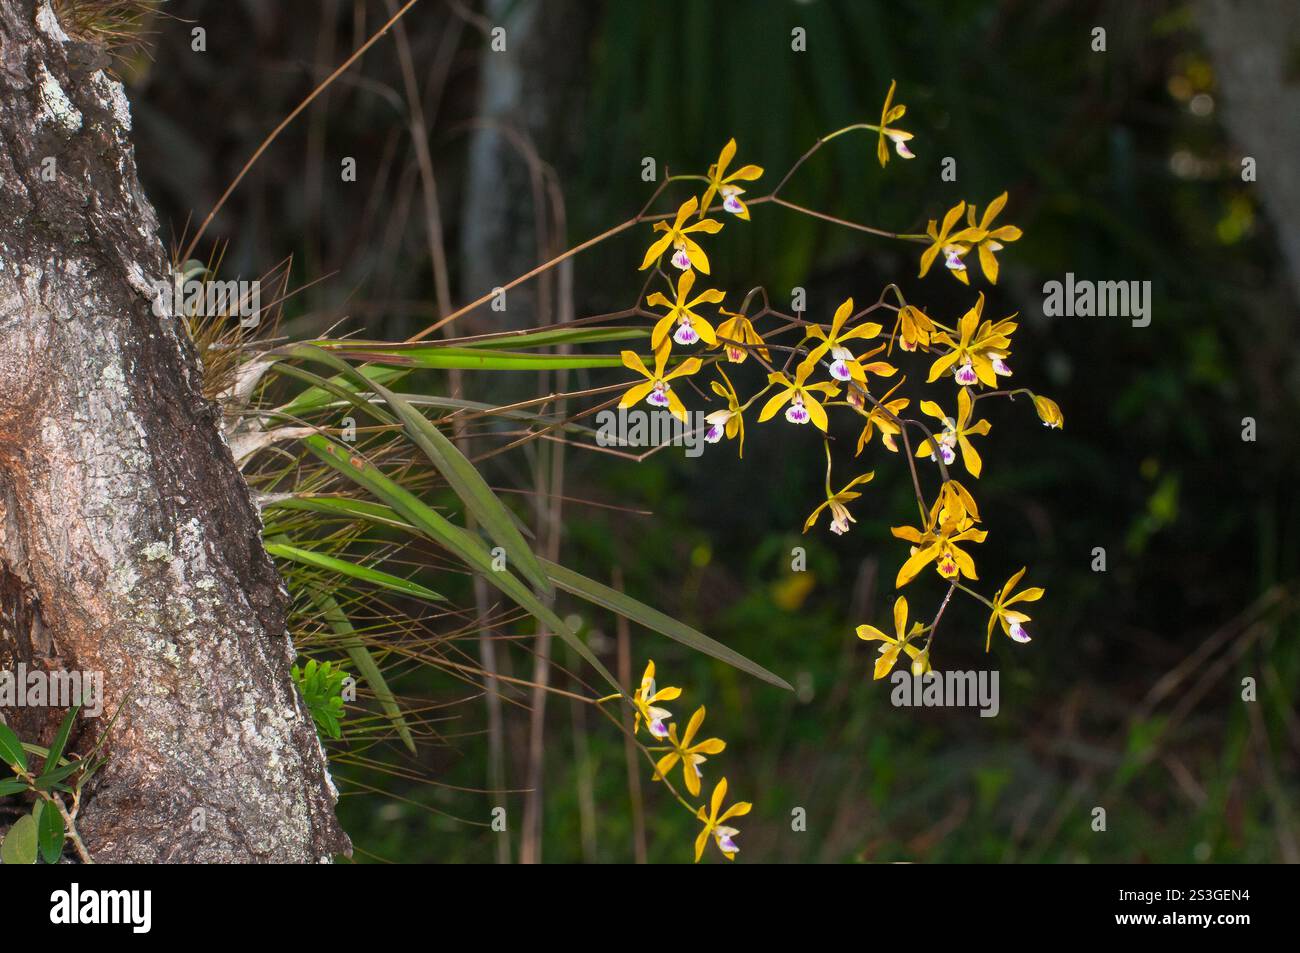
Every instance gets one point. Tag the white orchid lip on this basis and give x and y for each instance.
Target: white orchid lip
(947, 440)
(900, 146)
(797, 413)
(681, 260)
(952, 259)
(1018, 632)
(730, 199)
(965, 374)
(724, 837)
(685, 333)
(999, 364)
(945, 451)
(840, 518)
(717, 422)
(840, 366)
(658, 397)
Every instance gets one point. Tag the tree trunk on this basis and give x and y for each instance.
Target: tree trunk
(530, 101)
(1255, 48)
(128, 542)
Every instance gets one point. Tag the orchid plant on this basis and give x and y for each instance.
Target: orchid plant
(835, 369)
(848, 369)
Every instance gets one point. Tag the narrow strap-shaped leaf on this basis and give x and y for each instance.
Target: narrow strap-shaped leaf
(11, 786)
(360, 654)
(338, 390)
(550, 337)
(311, 558)
(344, 506)
(52, 777)
(457, 403)
(314, 398)
(454, 467)
(470, 486)
(442, 357)
(61, 738)
(92, 761)
(642, 614)
(462, 543)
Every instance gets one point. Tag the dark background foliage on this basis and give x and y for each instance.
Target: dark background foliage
(1119, 167)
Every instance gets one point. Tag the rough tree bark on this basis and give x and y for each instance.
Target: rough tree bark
(128, 542)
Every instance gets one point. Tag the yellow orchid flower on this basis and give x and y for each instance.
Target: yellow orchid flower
(891, 113)
(690, 326)
(956, 503)
(840, 517)
(988, 333)
(720, 182)
(730, 422)
(858, 368)
(955, 433)
(834, 340)
(691, 756)
(915, 326)
(737, 335)
(953, 246)
(988, 239)
(713, 823)
(938, 545)
(881, 417)
(799, 395)
(686, 253)
(981, 350)
(644, 699)
(1012, 621)
(902, 642)
(656, 389)
(1048, 412)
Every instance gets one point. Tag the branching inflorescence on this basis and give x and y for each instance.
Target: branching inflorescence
(846, 364)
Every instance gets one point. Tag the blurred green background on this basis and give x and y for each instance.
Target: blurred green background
(1121, 165)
